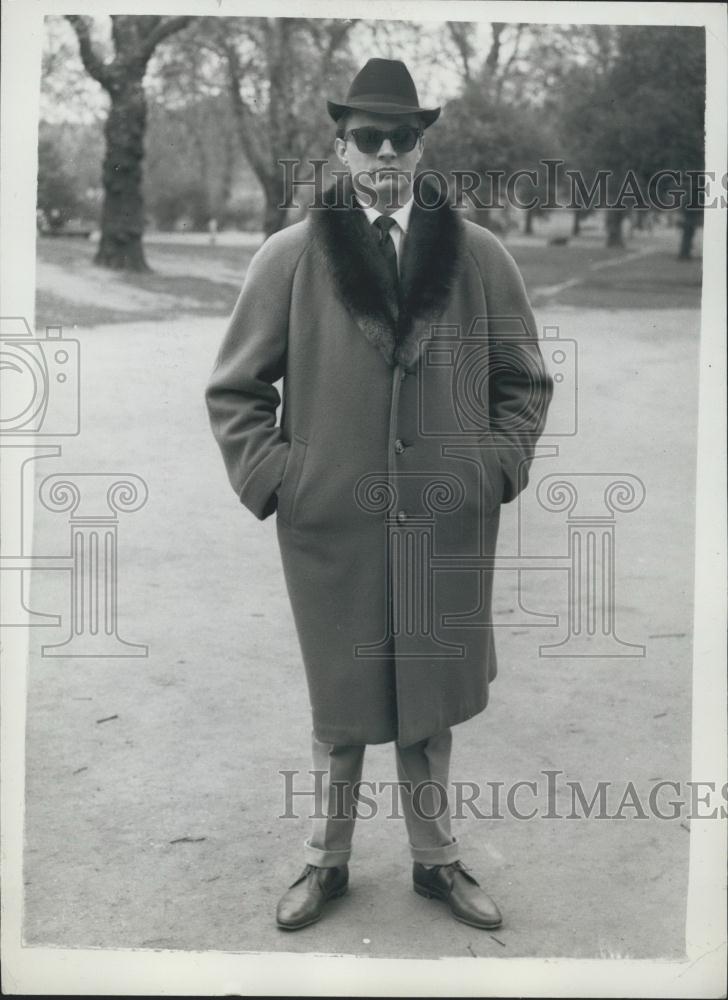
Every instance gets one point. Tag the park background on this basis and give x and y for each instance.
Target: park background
(149, 823)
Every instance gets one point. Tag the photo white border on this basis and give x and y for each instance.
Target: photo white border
(29, 970)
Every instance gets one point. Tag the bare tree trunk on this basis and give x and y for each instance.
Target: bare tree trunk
(461, 34)
(271, 129)
(122, 221)
(203, 212)
(134, 39)
(528, 228)
(277, 194)
(615, 235)
(689, 225)
(576, 222)
(491, 62)
(226, 181)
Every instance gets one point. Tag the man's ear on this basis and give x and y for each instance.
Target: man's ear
(340, 150)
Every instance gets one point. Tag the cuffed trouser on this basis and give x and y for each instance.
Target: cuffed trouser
(422, 770)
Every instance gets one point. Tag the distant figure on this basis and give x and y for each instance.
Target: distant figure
(212, 230)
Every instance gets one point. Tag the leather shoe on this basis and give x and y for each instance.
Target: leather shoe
(303, 902)
(454, 885)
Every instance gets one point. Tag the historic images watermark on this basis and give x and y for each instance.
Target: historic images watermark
(550, 797)
(461, 366)
(550, 186)
(41, 401)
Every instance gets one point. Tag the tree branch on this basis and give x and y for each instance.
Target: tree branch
(163, 30)
(93, 64)
(248, 130)
(496, 29)
(460, 35)
(337, 35)
(502, 76)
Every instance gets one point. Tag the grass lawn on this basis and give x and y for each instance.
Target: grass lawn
(198, 279)
(184, 279)
(656, 281)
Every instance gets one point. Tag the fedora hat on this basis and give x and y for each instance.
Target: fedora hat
(383, 87)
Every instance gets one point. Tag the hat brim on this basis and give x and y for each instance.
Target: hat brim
(428, 115)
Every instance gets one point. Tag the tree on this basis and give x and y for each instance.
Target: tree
(461, 35)
(276, 69)
(192, 155)
(491, 128)
(640, 110)
(193, 152)
(134, 40)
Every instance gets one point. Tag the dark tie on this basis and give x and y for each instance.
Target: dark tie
(386, 244)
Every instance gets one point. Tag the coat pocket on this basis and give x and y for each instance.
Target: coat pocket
(291, 478)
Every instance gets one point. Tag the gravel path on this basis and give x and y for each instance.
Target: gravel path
(158, 828)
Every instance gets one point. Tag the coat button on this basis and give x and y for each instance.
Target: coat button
(399, 446)
(401, 516)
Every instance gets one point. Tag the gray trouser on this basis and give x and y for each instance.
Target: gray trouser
(424, 764)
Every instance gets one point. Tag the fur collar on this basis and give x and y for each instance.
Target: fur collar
(433, 252)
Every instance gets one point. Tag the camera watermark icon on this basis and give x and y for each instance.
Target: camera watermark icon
(40, 379)
(463, 373)
(41, 385)
(562, 359)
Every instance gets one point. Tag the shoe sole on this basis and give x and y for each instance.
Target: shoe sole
(313, 920)
(428, 894)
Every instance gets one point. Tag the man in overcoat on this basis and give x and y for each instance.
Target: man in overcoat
(414, 391)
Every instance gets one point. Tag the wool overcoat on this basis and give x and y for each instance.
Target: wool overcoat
(409, 416)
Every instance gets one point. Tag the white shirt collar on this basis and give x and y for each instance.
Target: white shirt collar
(401, 216)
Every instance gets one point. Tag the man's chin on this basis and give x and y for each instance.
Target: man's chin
(393, 189)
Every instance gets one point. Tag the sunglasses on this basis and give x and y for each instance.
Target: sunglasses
(369, 139)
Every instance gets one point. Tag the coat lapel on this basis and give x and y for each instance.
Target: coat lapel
(433, 251)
